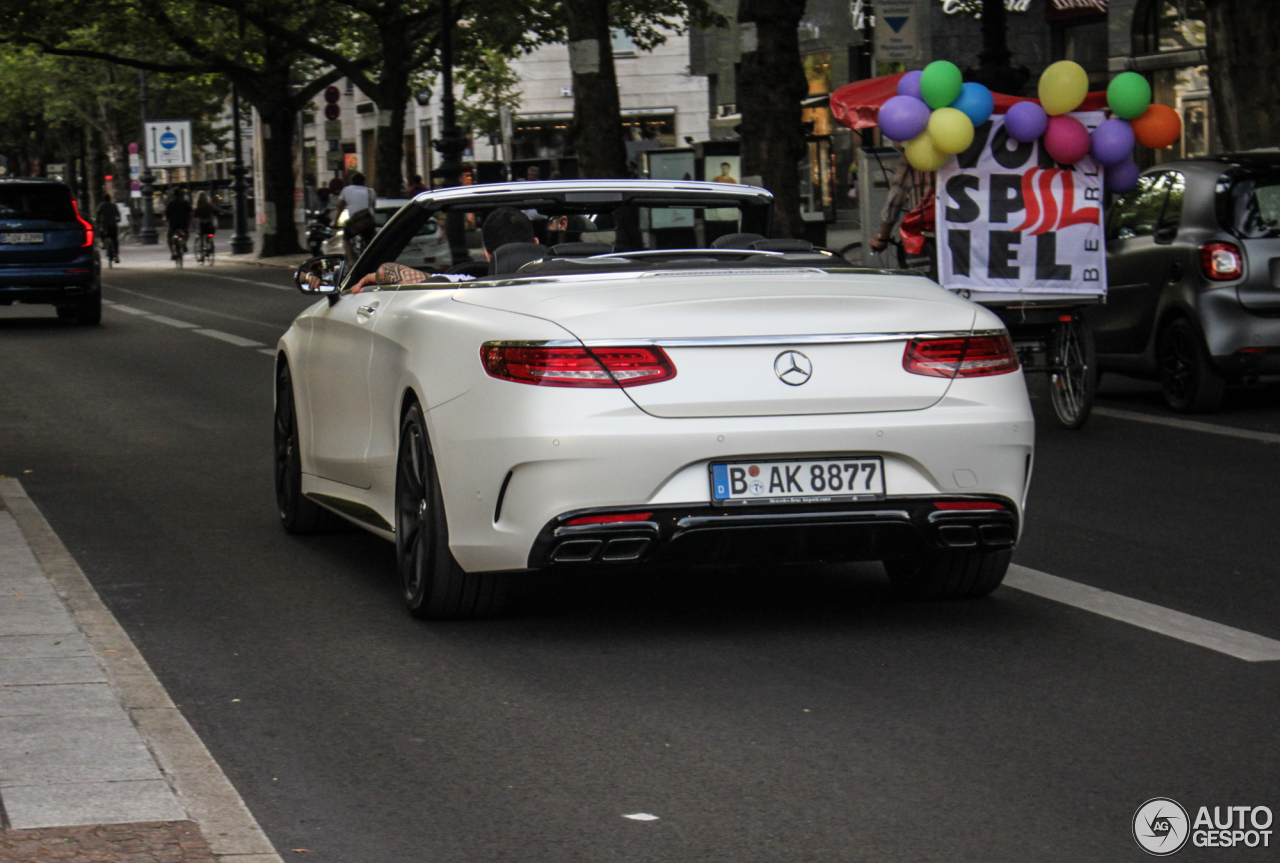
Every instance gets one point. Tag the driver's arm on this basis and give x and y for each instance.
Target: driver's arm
(390, 274)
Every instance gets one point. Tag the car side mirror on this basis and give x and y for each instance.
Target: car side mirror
(321, 275)
(1166, 234)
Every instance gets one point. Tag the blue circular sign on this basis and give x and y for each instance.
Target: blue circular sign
(168, 140)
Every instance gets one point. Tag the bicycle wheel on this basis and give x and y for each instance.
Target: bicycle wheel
(1073, 386)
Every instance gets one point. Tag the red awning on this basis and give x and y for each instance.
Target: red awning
(857, 105)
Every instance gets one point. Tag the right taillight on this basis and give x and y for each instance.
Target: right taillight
(624, 366)
(1221, 261)
(965, 357)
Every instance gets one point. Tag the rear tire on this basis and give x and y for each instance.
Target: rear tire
(1188, 377)
(1073, 389)
(434, 586)
(948, 574)
(298, 515)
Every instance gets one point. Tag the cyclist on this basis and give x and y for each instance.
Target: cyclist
(108, 225)
(178, 214)
(359, 201)
(206, 213)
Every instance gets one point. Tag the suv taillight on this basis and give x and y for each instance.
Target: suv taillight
(1221, 261)
(967, 357)
(88, 228)
(577, 366)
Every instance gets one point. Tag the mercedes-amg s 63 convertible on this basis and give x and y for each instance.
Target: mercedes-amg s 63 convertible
(649, 382)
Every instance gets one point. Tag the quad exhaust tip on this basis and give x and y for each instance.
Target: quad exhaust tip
(588, 550)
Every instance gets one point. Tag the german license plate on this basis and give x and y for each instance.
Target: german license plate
(797, 481)
(15, 239)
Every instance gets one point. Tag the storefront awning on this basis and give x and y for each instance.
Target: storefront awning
(857, 105)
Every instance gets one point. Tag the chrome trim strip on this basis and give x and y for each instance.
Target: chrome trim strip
(748, 341)
(730, 520)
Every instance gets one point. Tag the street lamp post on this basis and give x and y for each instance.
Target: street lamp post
(147, 236)
(451, 143)
(241, 241)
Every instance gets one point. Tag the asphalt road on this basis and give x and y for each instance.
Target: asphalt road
(792, 715)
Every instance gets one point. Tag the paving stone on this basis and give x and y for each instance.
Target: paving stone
(91, 803)
(72, 698)
(155, 842)
(50, 670)
(57, 645)
(55, 749)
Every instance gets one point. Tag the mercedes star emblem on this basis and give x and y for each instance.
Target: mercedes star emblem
(793, 368)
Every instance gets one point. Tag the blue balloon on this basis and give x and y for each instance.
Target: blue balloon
(976, 102)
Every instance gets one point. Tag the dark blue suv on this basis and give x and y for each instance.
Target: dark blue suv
(47, 253)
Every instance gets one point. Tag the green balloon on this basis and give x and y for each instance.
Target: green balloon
(940, 83)
(1128, 95)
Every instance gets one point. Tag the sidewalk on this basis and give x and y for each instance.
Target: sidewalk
(96, 762)
(132, 254)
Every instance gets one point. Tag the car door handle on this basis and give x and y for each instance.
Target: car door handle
(366, 310)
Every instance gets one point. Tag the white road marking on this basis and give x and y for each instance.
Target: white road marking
(641, 816)
(173, 322)
(108, 302)
(271, 352)
(129, 310)
(252, 282)
(239, 341)
(1175, 624)
(1189, 425)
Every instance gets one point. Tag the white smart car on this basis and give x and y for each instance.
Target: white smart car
(655, 383)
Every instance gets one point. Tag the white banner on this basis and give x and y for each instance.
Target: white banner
(1011, 219)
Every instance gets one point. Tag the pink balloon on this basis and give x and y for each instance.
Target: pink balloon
(1066, 139)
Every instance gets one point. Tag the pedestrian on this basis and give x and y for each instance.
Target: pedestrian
(911, 197)
(416, 186)
(358, 200)
(107, 217)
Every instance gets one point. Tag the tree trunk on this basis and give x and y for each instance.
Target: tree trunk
(280, 236)
(388, 168)
(771, 84)
(1243, 53)
(596, 134)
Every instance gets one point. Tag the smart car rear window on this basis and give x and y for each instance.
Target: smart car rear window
(36, 202)
(1249, 204)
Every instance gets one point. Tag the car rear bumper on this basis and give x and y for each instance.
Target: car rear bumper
(48, 284)
(691, 534)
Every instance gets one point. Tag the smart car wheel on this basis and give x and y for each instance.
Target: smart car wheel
(948, 574)
(433, 584)
(1190, 381)
(297, 514)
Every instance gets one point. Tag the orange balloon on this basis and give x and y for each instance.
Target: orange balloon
(1157, 127)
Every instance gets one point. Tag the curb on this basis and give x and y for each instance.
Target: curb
(201, 787)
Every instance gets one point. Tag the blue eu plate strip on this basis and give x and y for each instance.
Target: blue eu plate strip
(719, 482)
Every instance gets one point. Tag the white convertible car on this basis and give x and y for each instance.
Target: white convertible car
(654, 384)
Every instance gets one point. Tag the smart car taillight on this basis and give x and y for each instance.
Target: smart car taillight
(549, 366)
(1221, 261)
(88, 228)
(965, 357)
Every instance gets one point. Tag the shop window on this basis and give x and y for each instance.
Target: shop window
(1168, 25)
(623, 45)
(817, 71)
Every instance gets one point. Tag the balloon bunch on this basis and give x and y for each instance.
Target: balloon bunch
(935, 112)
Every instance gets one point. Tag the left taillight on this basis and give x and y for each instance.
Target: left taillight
(965, 357)
(547, 366)
(88, 228)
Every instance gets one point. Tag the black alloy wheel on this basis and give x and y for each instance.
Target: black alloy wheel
(298, 514)
(433, 584)
(1072, 389)
(1188, 377)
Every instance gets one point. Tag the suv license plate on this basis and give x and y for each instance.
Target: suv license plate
(16, 239)
(797, 481)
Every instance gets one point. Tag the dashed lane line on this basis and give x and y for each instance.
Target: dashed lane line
(271, 352)
(1185, 627)
(1188, 425)
(128, 310)
(173, 322)
(252, 282)
(238, 341)
(200, 310)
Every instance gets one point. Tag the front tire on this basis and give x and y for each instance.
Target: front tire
(298, 515)
(1188, 377)
(948, 574)
(432, 583)
(1073, 389)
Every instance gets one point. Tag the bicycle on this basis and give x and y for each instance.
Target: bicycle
(177, 246)
(110, 248)
(204, 248)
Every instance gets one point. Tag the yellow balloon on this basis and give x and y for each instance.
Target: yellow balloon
(1063, 87)
(923, 155)
(951, 130)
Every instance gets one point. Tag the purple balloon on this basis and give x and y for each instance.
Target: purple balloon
(1112, 142)
(1121, 177)
(1026, 121)
(903, 118)
(909, 84)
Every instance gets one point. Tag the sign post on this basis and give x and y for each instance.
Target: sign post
(169, 144)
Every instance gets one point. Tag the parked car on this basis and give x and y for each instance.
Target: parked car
(580, 407)
(47, 254)
(1193, 269)
(429, 247)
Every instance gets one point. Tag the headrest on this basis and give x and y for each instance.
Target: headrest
(581, 250)
(736, 241)
(764, 245)
(511, 257)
